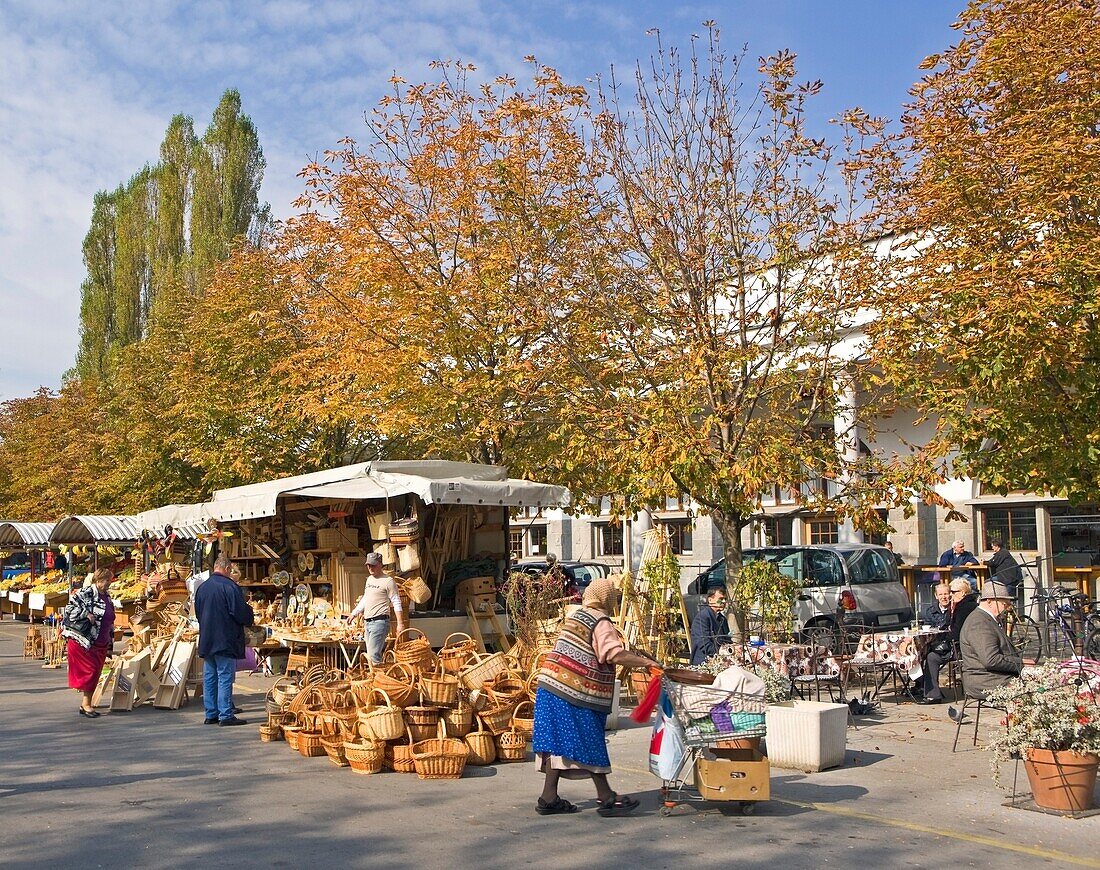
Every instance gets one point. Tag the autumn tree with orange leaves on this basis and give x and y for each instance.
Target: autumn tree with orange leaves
(997, 179)
(437, 263)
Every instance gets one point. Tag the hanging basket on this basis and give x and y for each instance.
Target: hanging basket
(482, 746)
(364, 757)
(419, 591)
(441, 757)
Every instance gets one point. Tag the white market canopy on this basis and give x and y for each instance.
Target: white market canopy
(435, 481)
(95, 530)
(25, 534)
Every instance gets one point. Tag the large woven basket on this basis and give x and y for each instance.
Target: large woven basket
(309, 744)
(428, 716)
(454, 655)
(512, 746)
(483, 669)
(381, 723)
(413, 651)
(482, 746)
(459, 719)
(523, 723)
(401, 757)
(398, 682)
(440, 757)
(497, 720)
(365, 757)
(439, 689)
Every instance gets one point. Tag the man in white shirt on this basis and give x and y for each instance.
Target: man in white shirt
(379, 596)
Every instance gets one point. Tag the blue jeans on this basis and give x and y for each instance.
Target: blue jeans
(217, 686)
(375, 633)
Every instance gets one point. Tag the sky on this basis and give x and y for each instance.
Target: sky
(87, 90)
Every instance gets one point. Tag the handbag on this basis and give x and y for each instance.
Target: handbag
(406, 531)
(387, 551)
(408, 558)
(379, 525)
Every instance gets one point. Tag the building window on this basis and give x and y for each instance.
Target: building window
(536, 541)
(679, 536)
(1014, 526)
(515, 545)
(822, 531)
(775, 531)
(609, 539)
(879, 536)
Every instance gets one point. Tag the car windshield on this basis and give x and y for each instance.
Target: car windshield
(869, 566)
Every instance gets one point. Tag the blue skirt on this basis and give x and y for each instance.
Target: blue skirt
(572, 732)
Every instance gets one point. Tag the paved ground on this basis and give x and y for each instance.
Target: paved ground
(156, 788)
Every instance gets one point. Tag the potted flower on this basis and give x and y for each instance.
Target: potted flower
(1052, 722)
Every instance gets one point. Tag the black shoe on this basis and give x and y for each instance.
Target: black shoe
(213, 721)
(232, 720)
(237, 710)
(88, 714)
(929, 700)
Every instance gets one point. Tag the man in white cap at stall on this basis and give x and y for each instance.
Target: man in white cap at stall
(379, 596)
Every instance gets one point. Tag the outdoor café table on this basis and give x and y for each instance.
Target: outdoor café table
(802, 663)
(892, 654)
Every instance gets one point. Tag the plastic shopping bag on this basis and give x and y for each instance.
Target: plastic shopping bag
(666, 744)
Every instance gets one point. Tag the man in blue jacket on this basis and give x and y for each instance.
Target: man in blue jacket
(222, 613)
(709, 629)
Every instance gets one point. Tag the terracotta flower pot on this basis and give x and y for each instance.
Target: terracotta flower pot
(1061, 781)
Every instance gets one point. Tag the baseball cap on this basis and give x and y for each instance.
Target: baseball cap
(374, 558)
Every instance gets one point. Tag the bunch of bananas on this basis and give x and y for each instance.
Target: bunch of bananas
(17, 581)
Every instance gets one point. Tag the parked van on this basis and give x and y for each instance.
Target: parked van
(868, 572)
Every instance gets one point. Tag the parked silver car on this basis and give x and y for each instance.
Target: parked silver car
(863, 572)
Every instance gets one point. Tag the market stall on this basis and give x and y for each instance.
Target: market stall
(36, 586)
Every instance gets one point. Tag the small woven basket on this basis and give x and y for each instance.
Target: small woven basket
(483, 669)
(482, 746)
(402, 760)
(309, 744)
(497, 720)
(413, 651)
(365, 757)
(459, 719)
(269, 734)
(439, 689)
(334, 749)
(454, 655)
(512, 746)
(382, 723)
(524, 724)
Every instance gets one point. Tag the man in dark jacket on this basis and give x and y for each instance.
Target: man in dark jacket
(937, 615)
(989, 659)
(709, 629)
(222, 613)
(1003, 567)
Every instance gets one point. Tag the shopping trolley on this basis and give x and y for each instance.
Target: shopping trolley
(721, 733)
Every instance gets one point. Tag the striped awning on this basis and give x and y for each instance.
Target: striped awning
(95, 530)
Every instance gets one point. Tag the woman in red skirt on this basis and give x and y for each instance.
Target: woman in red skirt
(88, 622)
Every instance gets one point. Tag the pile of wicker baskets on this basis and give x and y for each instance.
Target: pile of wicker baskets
(419, 711)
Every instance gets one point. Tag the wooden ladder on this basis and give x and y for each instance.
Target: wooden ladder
(497, 632)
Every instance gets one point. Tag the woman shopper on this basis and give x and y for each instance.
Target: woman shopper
(88, 621)
(574, 697)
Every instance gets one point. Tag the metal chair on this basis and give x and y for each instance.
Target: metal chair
(968, 702)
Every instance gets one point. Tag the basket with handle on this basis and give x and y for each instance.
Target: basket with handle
(398, 682)
(483, 668)
(508, 687)
(334, 749)
(482, 745)
(524, 724)
(422, 721)
(340, 718)
(381, 723)
(271, 733)
(365, 756)
(283, 690)
(290, 729)
(497, 720)
(459, 719)
(512, 745)
(401, 757)
(309, 743)
(413, 651)
(454, 654)
(440, 757)
(419, 591)
(362, 682)
(439, 689)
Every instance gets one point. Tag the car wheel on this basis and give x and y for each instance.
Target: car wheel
(821, 634)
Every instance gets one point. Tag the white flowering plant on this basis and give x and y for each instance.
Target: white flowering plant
(1049, 707)
(777, 685)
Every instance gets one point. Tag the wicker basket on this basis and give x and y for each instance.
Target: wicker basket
(290, 735)
(422, 716)
(362, 687)
(380, 724)
(365, 757)
(401, 757)
(269, 734)
(399, 684)
(482, 746)
(413, 651)
(419, 591)
(459, 719)
(454, 655)
(309, 744)
(509, 685)
(512, 746)
(484, 668)
(524, 724)
(334, 749)
(439, 689)
(497, 720)
(440, 757)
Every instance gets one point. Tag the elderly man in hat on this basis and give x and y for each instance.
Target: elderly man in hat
(379, 596)
(989, 660)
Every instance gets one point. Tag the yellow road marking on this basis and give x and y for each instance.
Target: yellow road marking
(962, 836)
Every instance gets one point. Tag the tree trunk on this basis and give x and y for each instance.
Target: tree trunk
(730, 526)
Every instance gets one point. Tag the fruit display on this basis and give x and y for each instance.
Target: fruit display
(128, 585)
(17, 582)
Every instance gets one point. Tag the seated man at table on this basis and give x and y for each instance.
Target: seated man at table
(957, 558)
(936, 615)
(989, 660)
(709, 628)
